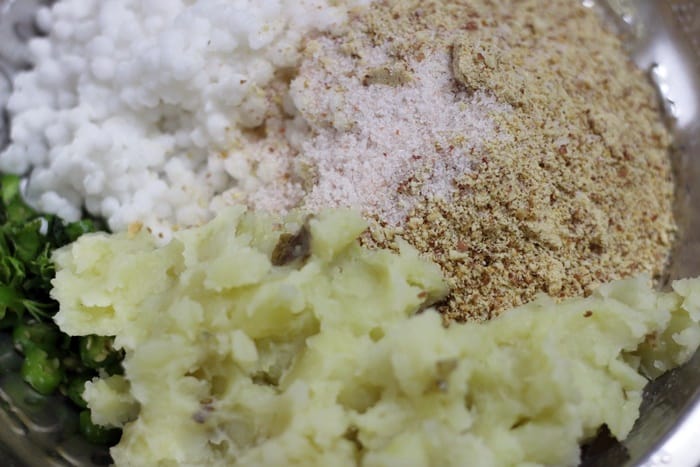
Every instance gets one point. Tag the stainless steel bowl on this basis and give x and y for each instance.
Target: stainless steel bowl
(664, 38)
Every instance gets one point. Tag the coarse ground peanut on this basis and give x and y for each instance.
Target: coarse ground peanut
(575, 190)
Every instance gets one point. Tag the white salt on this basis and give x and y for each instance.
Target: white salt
(371, 140)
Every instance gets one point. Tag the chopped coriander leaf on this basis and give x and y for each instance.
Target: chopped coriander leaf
(52, 360)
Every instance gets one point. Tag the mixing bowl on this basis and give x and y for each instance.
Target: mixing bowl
(663, 38)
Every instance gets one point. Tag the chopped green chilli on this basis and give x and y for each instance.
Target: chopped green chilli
(42, 371)
(97, 434)
(97, 352)
(35, 334)
(74, 391)
(53, 361)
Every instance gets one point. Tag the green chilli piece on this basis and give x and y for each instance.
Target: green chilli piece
(37, 334)
(98, 434)
(75, 390)
(41, 371)
(97, 352)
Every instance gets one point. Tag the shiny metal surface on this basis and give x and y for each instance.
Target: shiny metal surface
(663, 38)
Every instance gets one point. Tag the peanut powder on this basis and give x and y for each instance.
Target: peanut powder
(570, 187)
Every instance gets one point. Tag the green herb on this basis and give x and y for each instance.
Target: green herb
(27, 240)
(53, 361)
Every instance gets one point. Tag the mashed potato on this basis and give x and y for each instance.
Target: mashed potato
(251, 342)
